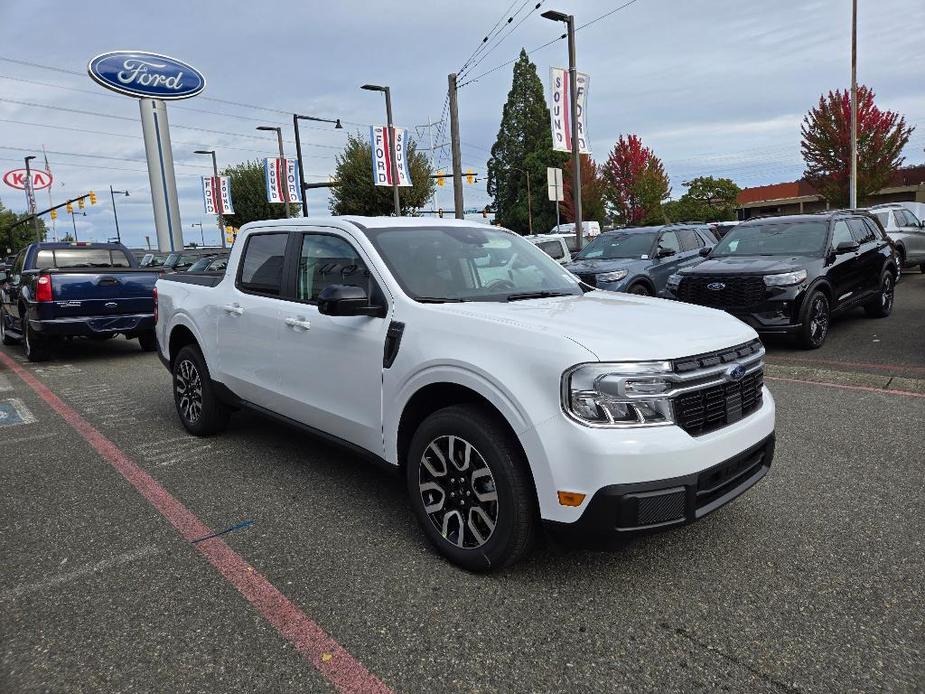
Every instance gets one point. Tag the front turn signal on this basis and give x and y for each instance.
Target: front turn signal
(571, 498)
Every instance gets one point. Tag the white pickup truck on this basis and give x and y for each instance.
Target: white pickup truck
(512, 397)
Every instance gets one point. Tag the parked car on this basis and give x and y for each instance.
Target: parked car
(91, 290)
(150, 259)
(788, 275)
(720, 229)
(210, 263)
(639, 260)
(504, 401)
(181, 261)
(588, 229)
(906, 230)
(553, 245)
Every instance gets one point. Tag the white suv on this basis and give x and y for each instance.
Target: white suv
(905, 230)
(507, 393)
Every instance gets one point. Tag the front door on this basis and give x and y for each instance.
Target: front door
(332, 365)
(662, 268)
(845, 271)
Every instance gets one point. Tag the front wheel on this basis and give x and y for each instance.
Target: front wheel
(816, 315)
(639, 289)
(200, 410)
(4, 335)
(882, 305)
(470, 488)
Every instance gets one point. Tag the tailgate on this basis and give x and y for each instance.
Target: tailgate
(103, 293)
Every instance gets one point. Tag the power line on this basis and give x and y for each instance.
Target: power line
(89, 155)
(487, 37)
(502, 39)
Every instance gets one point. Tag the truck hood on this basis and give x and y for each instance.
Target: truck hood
(749, 265)
(618, 327)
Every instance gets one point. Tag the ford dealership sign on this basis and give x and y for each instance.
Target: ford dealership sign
(146, 75)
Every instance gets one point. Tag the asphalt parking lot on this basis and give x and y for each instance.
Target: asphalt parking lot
(810, 582)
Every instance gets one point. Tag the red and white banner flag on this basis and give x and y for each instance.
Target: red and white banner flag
(282, 178)
(382, 163)
(560, 110)
(216, 194)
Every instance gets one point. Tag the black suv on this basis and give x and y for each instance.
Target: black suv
(787, 275)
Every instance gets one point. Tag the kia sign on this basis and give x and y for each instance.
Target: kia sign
(17, 179)
(146, 75)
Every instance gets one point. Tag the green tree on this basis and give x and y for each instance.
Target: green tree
(249, 195)
(707, 199)
(356, 193)
(523, 148)
(592, 191)
(15, 238)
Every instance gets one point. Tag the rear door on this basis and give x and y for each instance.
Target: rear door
(869, 258)
(249, 319)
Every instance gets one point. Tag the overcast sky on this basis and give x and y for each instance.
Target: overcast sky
(715, 87)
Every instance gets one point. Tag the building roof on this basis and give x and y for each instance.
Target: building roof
(795, 191)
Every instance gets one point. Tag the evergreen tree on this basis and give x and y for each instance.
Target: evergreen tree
(13, 238)
(523, 148)
(249, 195)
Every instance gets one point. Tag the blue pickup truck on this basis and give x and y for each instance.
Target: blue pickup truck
(94, 290)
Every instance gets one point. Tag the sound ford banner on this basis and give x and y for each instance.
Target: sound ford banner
(560, 110)
(282, 178)
(382, 163)
(216, 194)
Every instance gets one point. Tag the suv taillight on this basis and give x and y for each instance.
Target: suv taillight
(155, 305)
(43, 288)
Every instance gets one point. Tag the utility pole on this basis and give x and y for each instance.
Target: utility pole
(30, 198)
(298, 152)
(112, 194)
(74, 223)
(853, 186)
(282, 155)
(454, 148)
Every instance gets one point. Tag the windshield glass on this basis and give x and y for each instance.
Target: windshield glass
(774, 238)
(636, 244)
(469, 264)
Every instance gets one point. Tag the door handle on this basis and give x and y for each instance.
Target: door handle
(299, 323)
(233, 309)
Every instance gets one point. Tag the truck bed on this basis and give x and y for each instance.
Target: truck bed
(203, 279)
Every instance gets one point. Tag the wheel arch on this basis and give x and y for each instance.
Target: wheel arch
(181, 335)
(642, 279)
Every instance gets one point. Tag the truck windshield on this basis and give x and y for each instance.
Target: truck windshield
(439, 264)
(81, 257)
(636, 244)
(774, 238)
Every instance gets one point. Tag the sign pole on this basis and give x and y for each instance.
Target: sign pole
(576, 156)
(30, 199)
(390, 139)
(216, 185)
(164, 200)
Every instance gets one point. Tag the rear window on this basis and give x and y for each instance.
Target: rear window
(262, 266)
(81, 257)
(884, 218)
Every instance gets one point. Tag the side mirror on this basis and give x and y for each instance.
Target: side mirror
(847, 247)
(347, 300)
(664, 252)
(705, 251)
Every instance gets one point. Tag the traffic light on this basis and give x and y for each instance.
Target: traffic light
(54, 214)
(441, 181)
(440, 211)
(80, 203)
(92, 198)
(70, 208)
(470, 176)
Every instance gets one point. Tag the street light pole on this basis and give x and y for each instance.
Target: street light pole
(202, 234)
(112, 194)
(390, 140)
(282, 155)
(298, 152)
(573, 108)
(30, 198)
(218, 203)
(853, 189)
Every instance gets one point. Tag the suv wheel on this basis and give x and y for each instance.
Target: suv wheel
(640, 289)
(201, 412)
(815, 321)
(4, 336)
(470, 489)
(882, 305)
(34, 345)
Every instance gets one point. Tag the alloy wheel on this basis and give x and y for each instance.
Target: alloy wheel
(886, 294)
(189, 391)
(458, 491)
(818, 320)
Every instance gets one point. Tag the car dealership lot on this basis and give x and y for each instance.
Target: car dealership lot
(809, 582)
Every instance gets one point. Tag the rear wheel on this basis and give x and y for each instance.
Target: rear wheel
(470, 488)
(882, 305)
(35, 345)
(148, 341)
(640, 289)
(200, 410)
(4, 336)
(815, 323)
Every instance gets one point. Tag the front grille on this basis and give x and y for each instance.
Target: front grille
(723, 356)
(721, 291)
(587, 278)
(713, 407)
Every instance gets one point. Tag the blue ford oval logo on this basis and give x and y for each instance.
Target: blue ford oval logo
(716, 286)
(735, 372)
(146, 75)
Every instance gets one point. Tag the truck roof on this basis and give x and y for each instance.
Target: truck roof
(364, 222)
(54, 245)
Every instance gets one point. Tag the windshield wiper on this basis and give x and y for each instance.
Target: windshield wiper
(438, 300)
(536, 295)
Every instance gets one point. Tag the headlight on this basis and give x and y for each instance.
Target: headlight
(612, 276)
(785, 279)
(618, 394)
(674, 281)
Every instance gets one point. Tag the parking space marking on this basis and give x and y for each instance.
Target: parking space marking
(25, 439)
(13, 413)
(54, 370)
(5, 384)
(76, 574)
(844, 386)
(164, 454)
(331, 659)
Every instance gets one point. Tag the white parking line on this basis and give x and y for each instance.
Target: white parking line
(24, 439)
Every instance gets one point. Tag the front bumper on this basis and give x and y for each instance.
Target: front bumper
(88, 326)
(623, 510)
(778, 314)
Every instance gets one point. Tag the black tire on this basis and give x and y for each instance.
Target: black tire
(148, 341)
(882, 305)
(5, 337)
(922, 268)
(35, 345)
(814, 316)
(639, 289)
(492, 448)
(200, 411)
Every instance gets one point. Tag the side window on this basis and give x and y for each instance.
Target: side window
(884, 218)
(690, 239)
(670, 240)
(840, 234)
(913, 220)
(571, 243)
(859, 230)
(874, 230)
(327, 260)
(262, 265)
(552, 248)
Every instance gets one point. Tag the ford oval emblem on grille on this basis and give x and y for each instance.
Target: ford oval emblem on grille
(735, 373)
(716, 286)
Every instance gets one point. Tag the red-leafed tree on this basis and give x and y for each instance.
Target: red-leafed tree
(635, 182)
(592, 191)
(826, 145)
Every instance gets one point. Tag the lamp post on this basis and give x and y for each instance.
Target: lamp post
(112, 194)
(389, 138)
(74, 223)
(298, 151)
(529, 200)
(853, 185)
(30, 197)
(218, 203)
(279, 138)
(202, 234)
(569, 20)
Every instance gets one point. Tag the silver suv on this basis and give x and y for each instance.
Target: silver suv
(905, 230)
